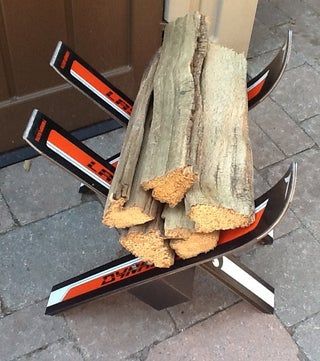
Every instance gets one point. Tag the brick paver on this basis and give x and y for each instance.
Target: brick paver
(239, 334)
(312, 127)
(41, 254)
(307, 197)
(307, 335)
(107, 145)
(283, 131)
(265, 152)
(262, 40)
(114, 328)
(45, 190)
(28, 330)
(209, 296)
(291, 266)
(61, 351)
(6, 220)
(298, 92)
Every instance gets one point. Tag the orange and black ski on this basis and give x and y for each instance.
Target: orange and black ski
(90, 82)
(59, 146)
(129, 272)
(52, 141)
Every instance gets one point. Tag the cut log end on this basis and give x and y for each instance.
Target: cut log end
(120, 216)
(172, 187)
(182, 233)
(209, 218)
(194, 245)
(149, 246)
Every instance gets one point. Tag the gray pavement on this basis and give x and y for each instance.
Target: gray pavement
(48, 233)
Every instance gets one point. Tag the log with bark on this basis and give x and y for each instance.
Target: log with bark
(147, 242)
(168, 170)
(128, 204)
(184, 240)
(222, 198)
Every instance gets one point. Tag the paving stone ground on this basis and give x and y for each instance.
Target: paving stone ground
(48, 233)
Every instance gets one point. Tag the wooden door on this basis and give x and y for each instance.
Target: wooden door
(118, 37)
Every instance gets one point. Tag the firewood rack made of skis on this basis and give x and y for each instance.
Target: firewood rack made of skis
(159, 288)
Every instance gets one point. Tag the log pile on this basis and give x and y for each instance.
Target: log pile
(185, 170)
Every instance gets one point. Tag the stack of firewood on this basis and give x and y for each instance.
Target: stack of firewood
(185, 170)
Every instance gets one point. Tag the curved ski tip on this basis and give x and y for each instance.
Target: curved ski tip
(294, 172)
(288, 46)
(290, 178)
(289, 37)
(55, 53)
(30, 123)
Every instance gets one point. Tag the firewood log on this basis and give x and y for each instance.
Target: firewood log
(128, 204)
(195, 244)
(222, 198)
(168, 170)
(147, 242)
(187, 243)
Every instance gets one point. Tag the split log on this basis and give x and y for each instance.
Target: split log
(168, 171)
(194, 245)
(176, 223)
(187, 243)
(222, 198)
(128, 204)
(147, 242)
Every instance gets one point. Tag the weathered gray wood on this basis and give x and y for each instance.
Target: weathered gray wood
(147, 242)
(128, 204)
(176, 223)
(222, 198)
(168, 170)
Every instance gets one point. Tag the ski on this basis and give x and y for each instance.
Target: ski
(241, 280)
(90, 82)
(59, 146)
(129, 271)
(262, 85)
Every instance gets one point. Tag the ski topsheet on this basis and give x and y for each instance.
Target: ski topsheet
(51, 140)
(80, 74)
(89, 81)
(129, 271)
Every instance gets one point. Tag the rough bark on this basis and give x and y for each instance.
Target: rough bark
(147, 242)
(176, 223)
(168, 170)
(222, 198)
(187, 243)
(128, 204)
